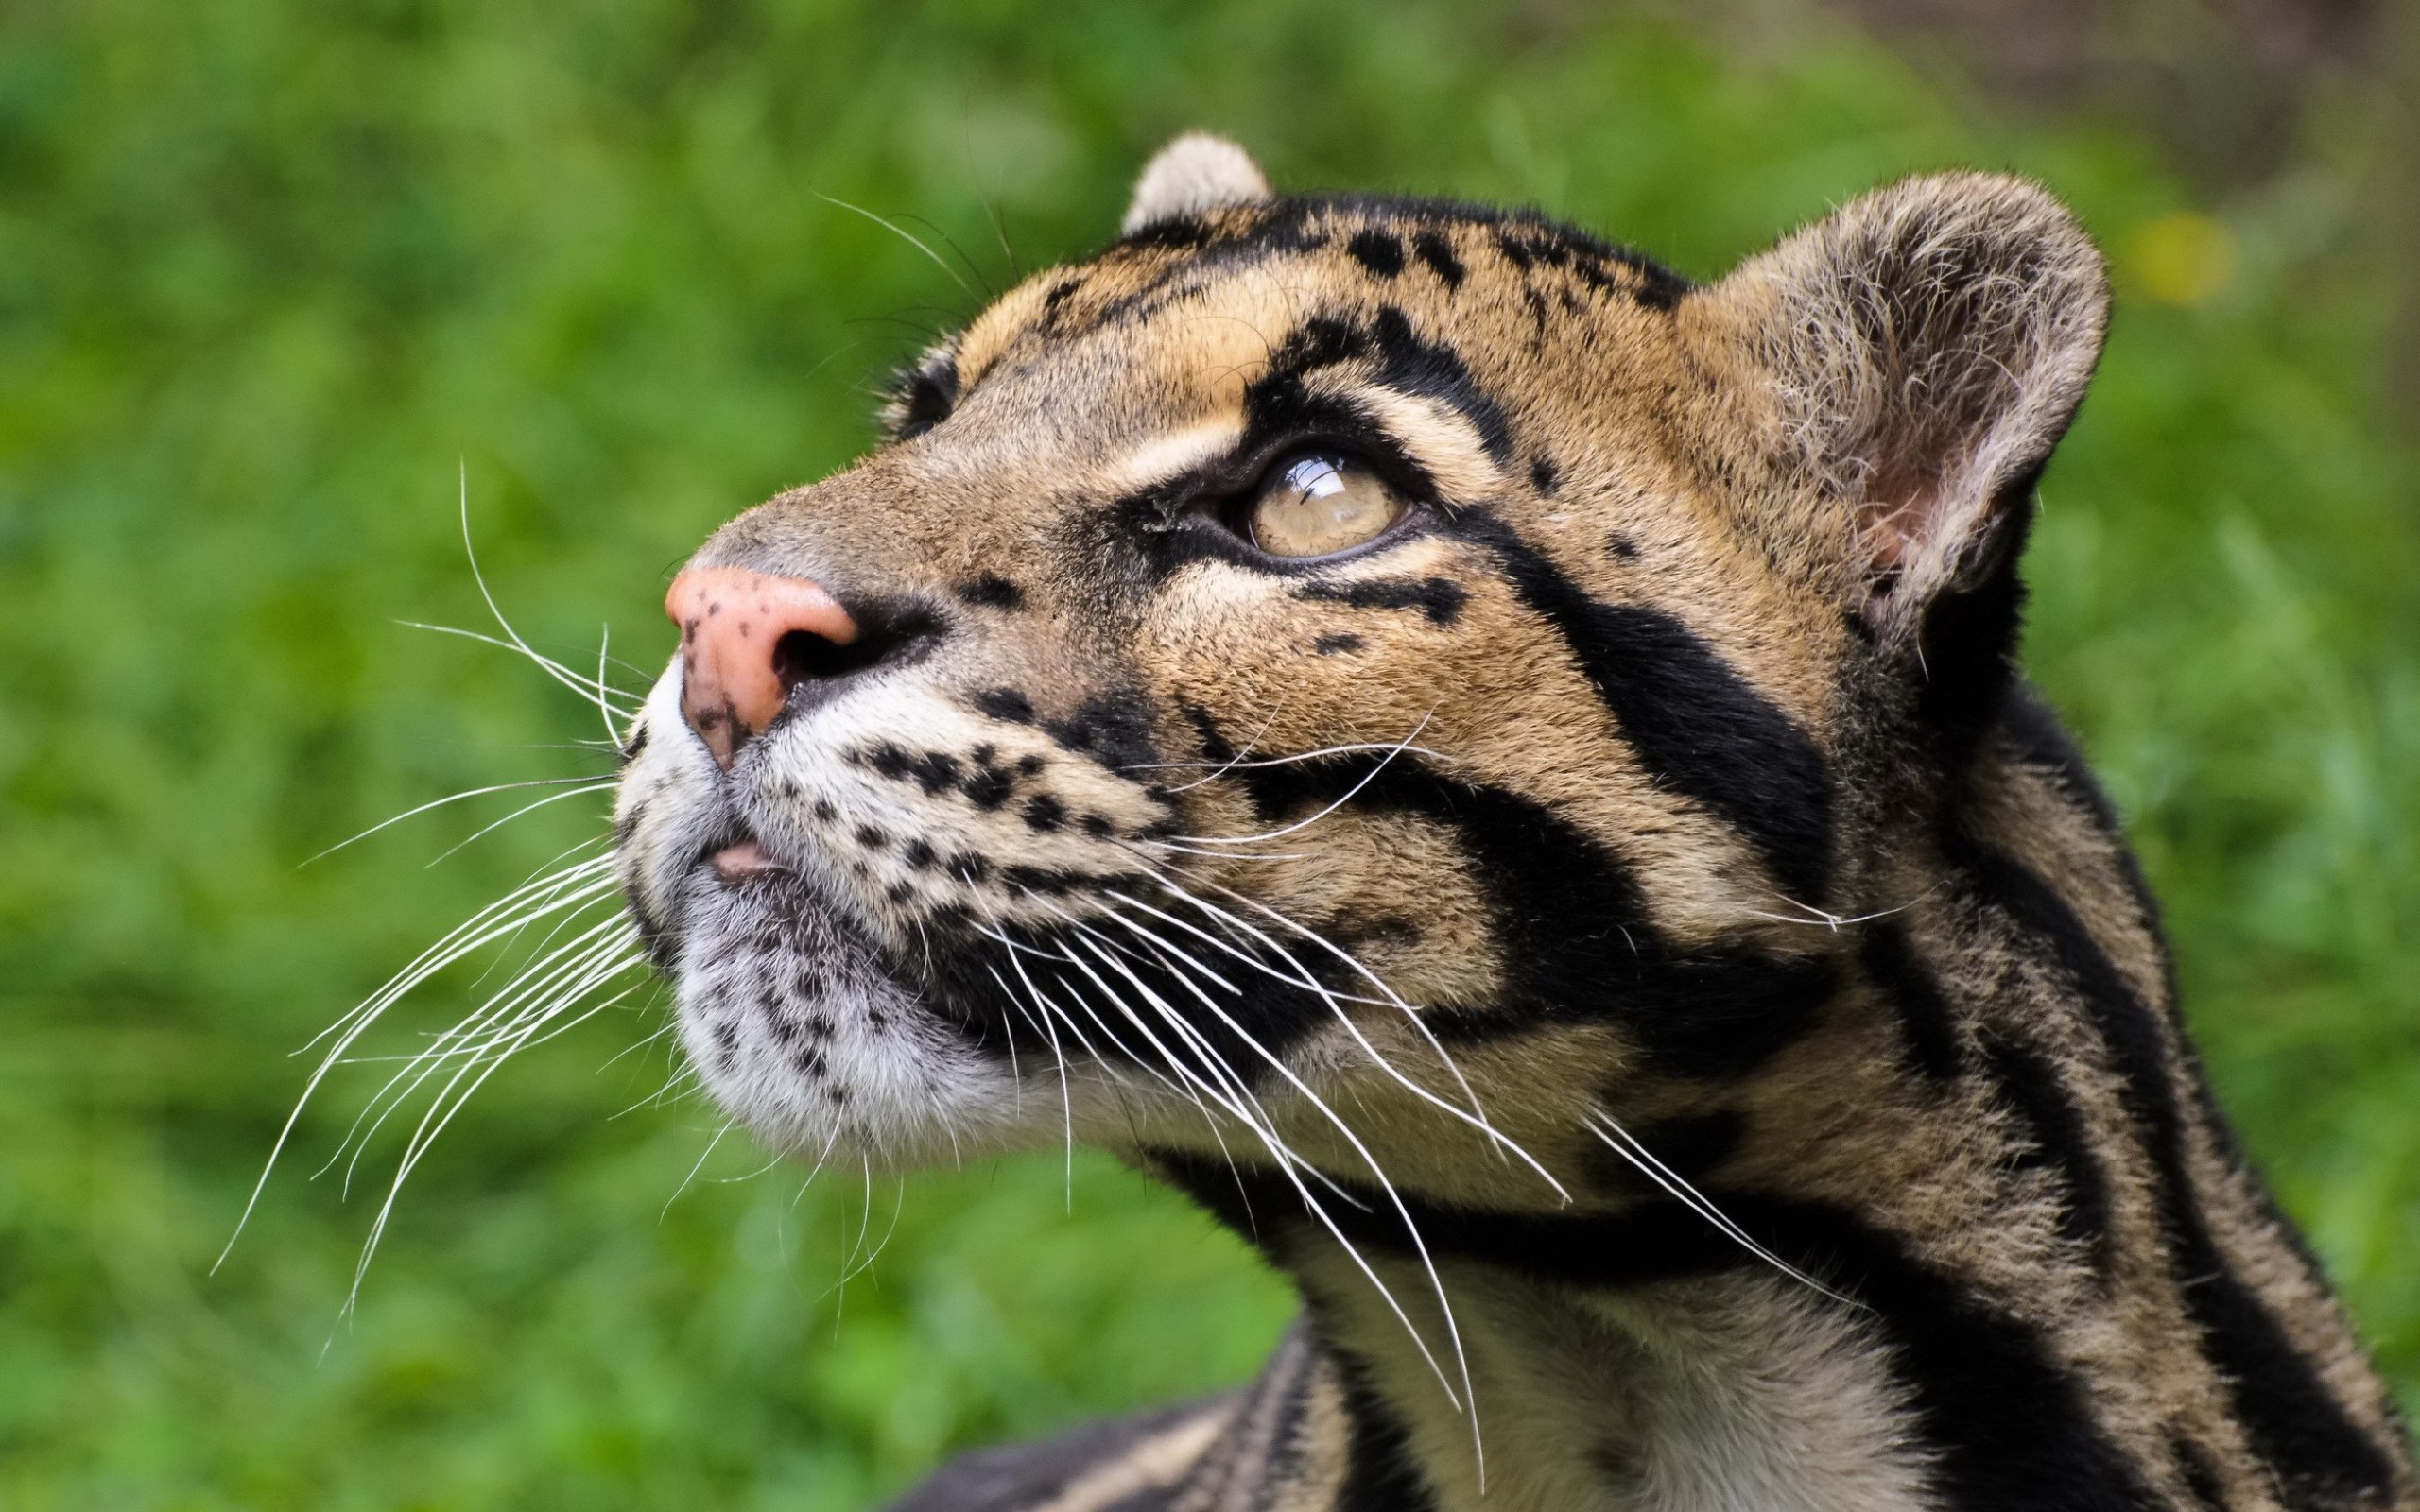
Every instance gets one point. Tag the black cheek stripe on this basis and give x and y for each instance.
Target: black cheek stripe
(1440, 598)
(1698, 726)
(1572, 924)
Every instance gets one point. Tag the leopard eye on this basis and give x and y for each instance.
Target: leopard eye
(1320, 504)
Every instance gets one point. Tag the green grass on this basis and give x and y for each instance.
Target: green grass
(271, 273)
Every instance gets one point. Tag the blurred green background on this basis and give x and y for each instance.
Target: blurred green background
(271, 272)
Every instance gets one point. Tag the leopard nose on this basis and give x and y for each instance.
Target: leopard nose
(747, 639)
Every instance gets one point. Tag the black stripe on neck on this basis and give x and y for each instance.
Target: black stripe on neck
(2011, 1428)
(2295, 1423)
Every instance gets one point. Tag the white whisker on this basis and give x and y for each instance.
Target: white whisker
(439, 803)
(1348, 796)
(1286, 1160)
(604, 786)
(1622, 1143)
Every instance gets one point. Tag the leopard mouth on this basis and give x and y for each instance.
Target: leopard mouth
(746, 859)
(800, 1026)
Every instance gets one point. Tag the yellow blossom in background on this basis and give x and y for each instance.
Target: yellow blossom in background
(2185, 258)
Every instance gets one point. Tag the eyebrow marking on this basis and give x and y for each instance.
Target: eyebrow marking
(1173, 455)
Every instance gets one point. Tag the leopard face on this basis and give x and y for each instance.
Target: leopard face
(1349, 685)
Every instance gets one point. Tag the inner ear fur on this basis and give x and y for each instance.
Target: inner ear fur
(1923, 349)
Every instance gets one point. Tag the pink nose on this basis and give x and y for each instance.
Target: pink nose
(736, 674)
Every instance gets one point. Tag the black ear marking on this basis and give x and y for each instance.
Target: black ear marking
(922, 397)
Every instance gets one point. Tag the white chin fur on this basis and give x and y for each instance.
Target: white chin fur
(799, 1034)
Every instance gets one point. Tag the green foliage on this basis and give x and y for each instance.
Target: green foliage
(270, 272)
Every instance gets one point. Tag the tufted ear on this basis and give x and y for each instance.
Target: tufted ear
(1193, 173)
(1927, 344)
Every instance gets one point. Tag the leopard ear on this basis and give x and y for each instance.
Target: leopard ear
(1927, 345)
(1193, 173)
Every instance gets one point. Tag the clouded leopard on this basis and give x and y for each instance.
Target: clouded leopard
(1499, 772)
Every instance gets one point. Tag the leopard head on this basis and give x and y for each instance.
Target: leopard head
(1353, 685)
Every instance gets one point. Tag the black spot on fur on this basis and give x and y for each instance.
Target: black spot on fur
(1005, 704)
(991, 592)
(1060, 294)
(1601, 267)
(1177, 232)
(1440, 598)
(1044, 813)
(1620, 546)
(934, 771)
(919, 854)
(1331, 645)
(1113, 729)
(1380, 251)
(1701, 728)
(1543, 475)
(1433, 249)
(1659, 288)
(872, 838)
(1215, 745)
(988, 784)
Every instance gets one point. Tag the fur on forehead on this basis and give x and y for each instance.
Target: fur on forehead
(1195, 173)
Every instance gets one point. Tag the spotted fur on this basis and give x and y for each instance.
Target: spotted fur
(1624, 940)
